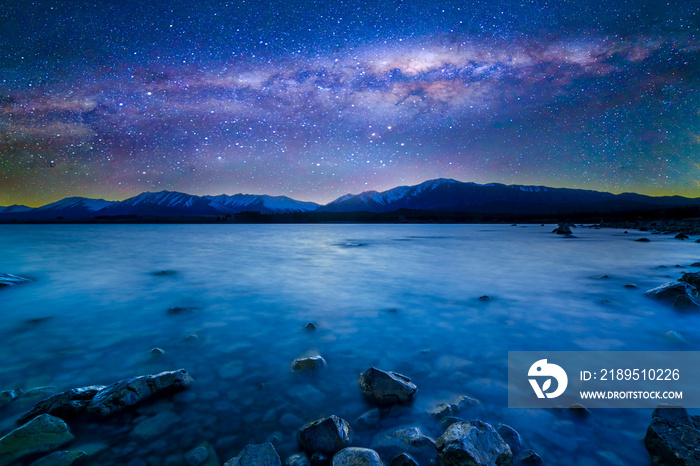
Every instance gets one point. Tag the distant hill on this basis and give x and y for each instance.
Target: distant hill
(440, 195)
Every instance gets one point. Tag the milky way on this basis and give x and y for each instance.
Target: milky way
(316, 99)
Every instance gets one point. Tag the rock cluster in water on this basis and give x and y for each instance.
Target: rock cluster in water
(41, 430)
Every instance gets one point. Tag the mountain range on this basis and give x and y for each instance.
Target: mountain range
(440, 195)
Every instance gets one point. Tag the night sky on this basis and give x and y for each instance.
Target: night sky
(314, 99)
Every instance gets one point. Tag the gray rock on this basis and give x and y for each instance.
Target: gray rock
(326, 436)
(7, 279)
(452, 409)
(404, 459)
(311, 363)
(297, 459)
(197, 456)
(670, 292)
(511, 437)
(675, 337)
(62, 458)
(310, 326)
(155, 352)
(409, 439)
(353, 456)
(386, 387)
(42, 434)
(673, 437)
(691, 279)
(66, 404)
(129, 392)
(473, 443)
(8, 396)
(256, 455)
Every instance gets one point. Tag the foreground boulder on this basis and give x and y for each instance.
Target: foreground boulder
(131, 391)
(7, 279)
(311, 363)
(673, 437)
(326, 436)
(680, 294)
(65, 404)
(256, 455)
(41, 434)
(386, 387)
(353, 456)
(473, 443)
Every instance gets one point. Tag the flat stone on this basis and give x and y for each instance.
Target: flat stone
(256, 455)
(384, 387)
(353, 456)
(128, 392)
(62, 458)
(311, 363)
(66, 404)
(473, 443)
(42, 434)
(326, 436)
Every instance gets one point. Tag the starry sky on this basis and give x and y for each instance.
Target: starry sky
(317, 98)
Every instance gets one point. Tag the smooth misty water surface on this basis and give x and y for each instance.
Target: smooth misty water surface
(399, 297)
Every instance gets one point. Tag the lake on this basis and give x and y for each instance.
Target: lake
(399, 297)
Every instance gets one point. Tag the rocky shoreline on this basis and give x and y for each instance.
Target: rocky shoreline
(688, 227)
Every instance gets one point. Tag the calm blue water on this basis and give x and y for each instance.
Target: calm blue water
(101, 308)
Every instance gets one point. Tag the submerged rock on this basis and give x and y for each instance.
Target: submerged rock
(410, 439)
(42, 434)
(256, 455)
(131, 391)
(7, 279)
(66, 404)
(297, 459)
(511, 437)
(156, 425)
(452, 409)
(62, 458)
(197, 456)
(681, 236)
(311, 363)
(473, 443)
(353, 456)
(671, 292)
(8, 396)
(675, 337)
(310, 326)
(404, 459)
(673, 437)
(484, 299)
(179, 310)
(326, 436)
(369, 420)
(643, 240)
(386, 387)
(529, 457)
